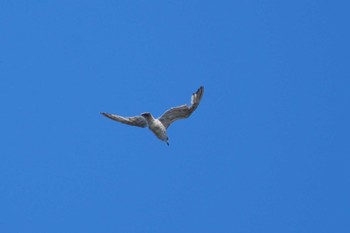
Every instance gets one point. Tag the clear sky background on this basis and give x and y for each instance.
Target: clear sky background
(266, 151)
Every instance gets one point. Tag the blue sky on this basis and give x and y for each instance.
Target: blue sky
(266, 151)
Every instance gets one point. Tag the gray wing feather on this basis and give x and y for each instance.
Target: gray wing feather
(182, 111)
(134, 121)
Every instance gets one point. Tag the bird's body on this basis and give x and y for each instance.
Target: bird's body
(159, 126)
(156, 127)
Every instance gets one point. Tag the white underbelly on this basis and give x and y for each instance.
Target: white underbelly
(158, 129)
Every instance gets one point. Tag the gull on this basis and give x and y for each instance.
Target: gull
(159, 125)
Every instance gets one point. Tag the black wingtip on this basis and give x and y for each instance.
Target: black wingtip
(104, 114)
(200, 89)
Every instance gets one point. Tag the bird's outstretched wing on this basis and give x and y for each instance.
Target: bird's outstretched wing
(182, 111)
(134, 121)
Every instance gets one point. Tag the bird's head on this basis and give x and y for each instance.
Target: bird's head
(146, 115)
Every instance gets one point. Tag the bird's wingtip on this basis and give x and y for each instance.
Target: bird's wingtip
(200, 89)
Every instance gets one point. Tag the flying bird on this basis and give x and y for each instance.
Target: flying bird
(159, 125)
